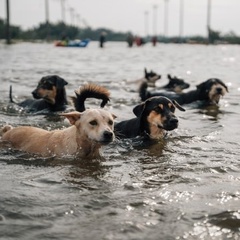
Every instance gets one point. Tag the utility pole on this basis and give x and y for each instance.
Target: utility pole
(47, 11)
(166, 18)
(146, 23)
(209, 20)
(155, 8)
(181, 18)
(8, 38)
(72, 12)
(63, 10)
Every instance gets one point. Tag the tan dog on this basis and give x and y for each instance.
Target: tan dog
(89, 131)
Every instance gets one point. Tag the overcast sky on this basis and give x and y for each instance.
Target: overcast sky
(137, 16)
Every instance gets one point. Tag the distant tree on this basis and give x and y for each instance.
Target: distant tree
(213, 36)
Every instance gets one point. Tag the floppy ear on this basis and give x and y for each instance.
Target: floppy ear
(72, 116)
(139, 109)
(176, 104)
(60, 82)
(114, 116)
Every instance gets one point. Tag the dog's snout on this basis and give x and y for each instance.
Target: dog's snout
(173, 121)
(108, 135)
(35, 95)
(219, 90)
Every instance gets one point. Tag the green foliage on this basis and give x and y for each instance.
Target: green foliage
(58, 31)
(49, 31)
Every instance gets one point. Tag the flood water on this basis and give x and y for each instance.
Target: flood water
(184, 187)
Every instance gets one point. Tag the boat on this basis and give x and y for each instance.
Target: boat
(73, 43)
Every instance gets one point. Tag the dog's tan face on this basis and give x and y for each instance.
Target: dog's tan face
(216, 92)
(48, 94)
(162, 117)
(95, 124)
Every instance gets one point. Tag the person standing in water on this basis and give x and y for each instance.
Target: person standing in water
(102, 39)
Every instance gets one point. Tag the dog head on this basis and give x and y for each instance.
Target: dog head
(96, 125)
(151, 77)
(157, 115)
(212, 90)
(176, 84)
(49, 87)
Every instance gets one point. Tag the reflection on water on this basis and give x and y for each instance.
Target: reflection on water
(182, 187)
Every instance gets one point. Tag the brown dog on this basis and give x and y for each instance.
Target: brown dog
(89, 131)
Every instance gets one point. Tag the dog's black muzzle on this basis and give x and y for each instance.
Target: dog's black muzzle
(107, 137)
(171, 124)
(35, 95)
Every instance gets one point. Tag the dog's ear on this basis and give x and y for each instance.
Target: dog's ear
(139, 109)
(178, 106)
(145, 72)
(114, 116)
(72, 116)
(169, 77)
(58, 81)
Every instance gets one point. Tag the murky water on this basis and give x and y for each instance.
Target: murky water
(184, 187)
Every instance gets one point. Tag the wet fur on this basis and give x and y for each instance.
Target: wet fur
(149, 77)
(90, 91)
(153, 118)
(175, 84)
(50, 95)
(209, 92)
(89, 131)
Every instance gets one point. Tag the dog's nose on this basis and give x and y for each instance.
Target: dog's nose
(219, 90)
(35, 95)
(108, 135)
(173, 121)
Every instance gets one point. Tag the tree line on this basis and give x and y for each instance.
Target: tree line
(51, 32)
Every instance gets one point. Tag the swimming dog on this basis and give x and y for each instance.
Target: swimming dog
(175, 84)
(89, 131)
(208, 92)
(153, 118)
(149, 77)
(90, 91)
(50, 95)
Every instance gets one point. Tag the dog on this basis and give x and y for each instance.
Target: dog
(153, 118)
(175, 84)
(149, 77)
(50, 95)
(89, 131)
(208, 93)
(90, 91)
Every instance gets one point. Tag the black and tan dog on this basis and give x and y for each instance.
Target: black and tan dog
(208, 92)
(50, 95)
(175, 84)
(149, 76)
(153, 118)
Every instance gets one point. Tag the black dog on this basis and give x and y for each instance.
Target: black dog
(90, 91)
(208, 92)
(175, 84)
(151, 77)
(153, 118)
(50, 95)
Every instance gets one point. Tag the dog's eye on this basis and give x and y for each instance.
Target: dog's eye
(93, 123)
(158, 110)
(110, 122)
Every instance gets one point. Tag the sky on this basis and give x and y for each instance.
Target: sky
(141, 17)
